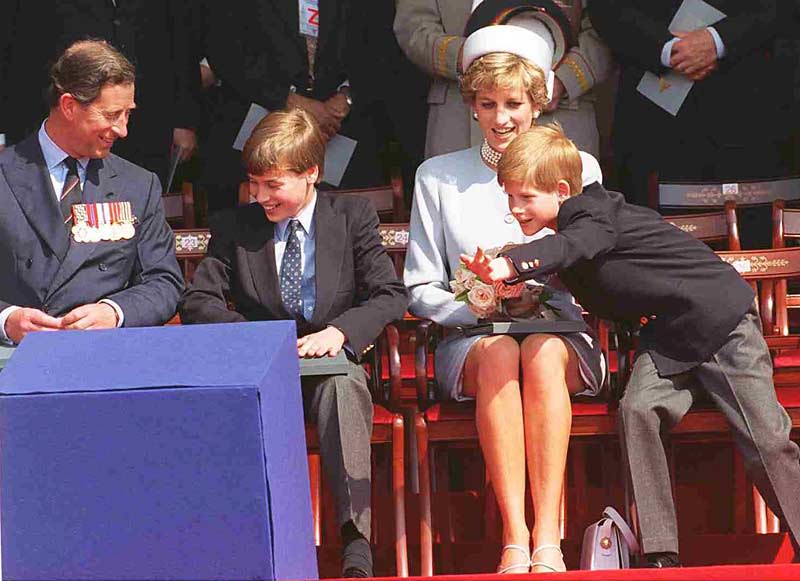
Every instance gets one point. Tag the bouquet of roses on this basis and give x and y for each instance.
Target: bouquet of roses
(499, 300)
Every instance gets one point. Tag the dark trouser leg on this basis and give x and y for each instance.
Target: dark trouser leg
(651, 406)
(739, 379)
(341, 407)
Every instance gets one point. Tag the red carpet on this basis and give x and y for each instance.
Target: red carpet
(720, 573)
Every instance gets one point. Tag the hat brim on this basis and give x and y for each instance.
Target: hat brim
(491, 12)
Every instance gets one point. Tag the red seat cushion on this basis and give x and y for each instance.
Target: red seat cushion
(465, 410)
(787, 358)
(789, 397)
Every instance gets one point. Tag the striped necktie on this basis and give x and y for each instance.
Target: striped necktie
(71, 192)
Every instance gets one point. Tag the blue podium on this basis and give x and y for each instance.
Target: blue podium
(155, 453)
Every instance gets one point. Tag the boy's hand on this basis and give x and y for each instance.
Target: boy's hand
(329, 342)
(489, 270)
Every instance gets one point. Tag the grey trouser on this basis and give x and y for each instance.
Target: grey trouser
(738, 379)
(341, 407)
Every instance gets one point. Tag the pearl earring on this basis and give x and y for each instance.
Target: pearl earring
(475, 115)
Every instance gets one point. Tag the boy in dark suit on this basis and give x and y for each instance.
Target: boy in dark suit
(623, 262)
(316, 258)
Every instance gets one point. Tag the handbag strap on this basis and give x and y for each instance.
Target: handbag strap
(627, 533)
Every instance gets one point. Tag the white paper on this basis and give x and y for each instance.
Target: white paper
(338, 152)
(669, 91)
(337, 157)
(694, 14)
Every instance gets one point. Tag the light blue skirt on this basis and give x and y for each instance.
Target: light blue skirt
(451, 355)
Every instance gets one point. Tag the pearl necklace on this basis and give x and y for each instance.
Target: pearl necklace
(489, 155)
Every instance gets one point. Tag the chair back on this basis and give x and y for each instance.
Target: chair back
(388, 199)
(394, 237)
(191, 246)
(698, 195)
(767, 272)
(179, 207)
(719, 229)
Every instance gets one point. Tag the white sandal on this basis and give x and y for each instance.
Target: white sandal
(543, 564)
(523, 567)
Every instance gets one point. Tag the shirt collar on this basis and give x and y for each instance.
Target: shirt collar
(305, 217)
(53, 154)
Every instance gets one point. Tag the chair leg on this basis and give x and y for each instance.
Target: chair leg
(425, 530)
(315, 479)
(765, 520)
(399, 496)
(444, 498)
(580, 510)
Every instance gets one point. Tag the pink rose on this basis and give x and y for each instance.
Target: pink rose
(481, 299)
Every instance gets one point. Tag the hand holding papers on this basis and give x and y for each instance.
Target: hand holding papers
(669, 90)
(337, 153)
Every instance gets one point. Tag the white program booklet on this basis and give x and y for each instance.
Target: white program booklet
(669, 90)
(338, 152)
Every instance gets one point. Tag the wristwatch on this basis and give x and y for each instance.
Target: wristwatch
(346, 92)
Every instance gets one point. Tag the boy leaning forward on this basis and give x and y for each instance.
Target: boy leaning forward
(703, 332)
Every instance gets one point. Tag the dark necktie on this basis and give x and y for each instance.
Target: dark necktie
(71, 192)
(291, 273)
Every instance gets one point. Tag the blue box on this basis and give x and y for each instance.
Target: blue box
(155, 453)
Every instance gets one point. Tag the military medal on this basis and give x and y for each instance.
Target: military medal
(103, 221)
(127, 230)
(80, 227)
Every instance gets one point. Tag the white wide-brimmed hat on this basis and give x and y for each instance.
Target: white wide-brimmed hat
(537, 30)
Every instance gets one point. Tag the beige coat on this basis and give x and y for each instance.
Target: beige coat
(430, 33)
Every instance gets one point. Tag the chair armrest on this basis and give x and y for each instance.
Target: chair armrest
(427, 335)
(391, 336)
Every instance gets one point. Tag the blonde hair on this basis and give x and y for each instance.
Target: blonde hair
(541, 157)
(285, 141)
(504, 70)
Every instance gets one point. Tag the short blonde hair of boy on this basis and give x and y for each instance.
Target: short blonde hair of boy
(504, 70)
(541, 157)
(285, 141)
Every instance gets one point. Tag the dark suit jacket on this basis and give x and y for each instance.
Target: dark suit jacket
(740, 103)
(43, 268)
(153, 35)
(357, 289)
(623, 262)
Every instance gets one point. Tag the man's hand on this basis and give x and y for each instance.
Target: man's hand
(694, 52)
(337, 106)
(558, 92)
(329, 341)
(2, 147)
(489, 270)
(26, 320)
(186, 139)
(704, 73)
(207, 77)
(92, 316)
(328, 123)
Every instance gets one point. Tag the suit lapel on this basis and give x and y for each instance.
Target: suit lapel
(330, 228)
(30, 183)
(259, 244)
(99, 172)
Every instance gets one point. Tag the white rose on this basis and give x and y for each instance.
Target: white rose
(482, 296)
(457, 287)
(465, 277)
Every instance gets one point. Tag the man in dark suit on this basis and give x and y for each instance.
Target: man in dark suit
(260, 53)
(731, 125)
(152, 35)
(317, 258)
(83, 239)
(624, 262)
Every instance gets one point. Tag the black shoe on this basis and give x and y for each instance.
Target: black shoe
(357, 559)
(660, 561)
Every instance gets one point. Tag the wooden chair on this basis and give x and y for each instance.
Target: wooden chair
(704, 195)
(440, 425)
(766, 271)
(718, 229)
(387, 425)
(179, 207)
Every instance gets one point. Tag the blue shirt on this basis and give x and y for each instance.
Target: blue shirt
(307, 236)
